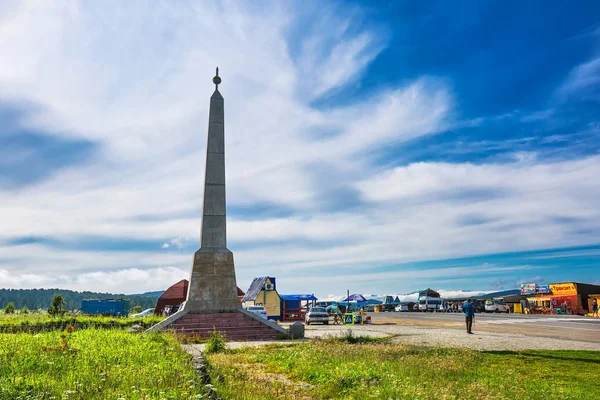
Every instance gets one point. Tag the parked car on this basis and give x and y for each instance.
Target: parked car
(479, 305)
(144, 313)
(401, 307)
(258, 310)
(325, 303)
(317, 314)
(496, 306)
(428, 303)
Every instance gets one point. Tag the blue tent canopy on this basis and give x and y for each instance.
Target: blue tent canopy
(297, 297)
(356, 297)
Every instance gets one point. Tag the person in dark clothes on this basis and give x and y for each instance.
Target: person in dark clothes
(469, 311)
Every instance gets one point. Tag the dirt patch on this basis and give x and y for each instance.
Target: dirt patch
(415, 322)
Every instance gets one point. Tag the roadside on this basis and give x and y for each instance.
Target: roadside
(431, 337)
(448, 337)
(531, 328)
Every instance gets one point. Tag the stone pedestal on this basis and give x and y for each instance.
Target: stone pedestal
(212, 287)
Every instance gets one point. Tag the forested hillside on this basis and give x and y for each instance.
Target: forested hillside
(41, 298)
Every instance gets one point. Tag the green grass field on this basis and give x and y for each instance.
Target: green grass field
(335, 370)
(113, 364)
(39, 322)
(95, 364)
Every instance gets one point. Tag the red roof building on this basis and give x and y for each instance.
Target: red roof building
(176, 294)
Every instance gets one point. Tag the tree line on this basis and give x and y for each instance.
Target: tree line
(35, 299)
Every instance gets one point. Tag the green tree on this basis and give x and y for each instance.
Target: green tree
(10, 308)
(57, 306)
(136, 310)
(24, 310)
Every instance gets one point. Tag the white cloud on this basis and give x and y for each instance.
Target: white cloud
(583, 81)
(135, 80)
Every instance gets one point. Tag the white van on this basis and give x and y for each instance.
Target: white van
(496, 306)
(427, 303)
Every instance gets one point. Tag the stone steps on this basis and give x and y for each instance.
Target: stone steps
(233, 326)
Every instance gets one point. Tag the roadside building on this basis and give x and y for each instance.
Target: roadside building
(263, 292)
(560, 298)
(591, 299)
(295, 306)
(115, 307)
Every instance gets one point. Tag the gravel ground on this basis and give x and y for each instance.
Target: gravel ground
(457, 338)
(422, 336)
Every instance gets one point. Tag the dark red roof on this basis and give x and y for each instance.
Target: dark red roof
(179, 291)
(176, 292)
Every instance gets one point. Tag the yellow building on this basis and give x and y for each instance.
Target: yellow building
(263, 292)
(564, 297)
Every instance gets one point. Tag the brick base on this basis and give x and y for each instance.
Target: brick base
(235, 326)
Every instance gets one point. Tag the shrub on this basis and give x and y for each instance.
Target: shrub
(350, 338)
(136, 310)
(10, 308)
(215, 343)
(24, 310)
(57, 306)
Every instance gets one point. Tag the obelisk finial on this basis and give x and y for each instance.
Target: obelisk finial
(217, 80)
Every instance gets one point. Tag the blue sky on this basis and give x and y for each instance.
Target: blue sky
(377, 147)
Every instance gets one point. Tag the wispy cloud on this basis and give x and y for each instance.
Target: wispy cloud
(583, 82)
(134, 86)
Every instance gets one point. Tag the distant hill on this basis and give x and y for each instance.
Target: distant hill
(155, 295)
(41, 298)
(503, 293)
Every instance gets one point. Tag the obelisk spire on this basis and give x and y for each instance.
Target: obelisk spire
(214, 234)
(217, 80)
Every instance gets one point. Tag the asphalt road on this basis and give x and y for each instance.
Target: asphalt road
(570, 327)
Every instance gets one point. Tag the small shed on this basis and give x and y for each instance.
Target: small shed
(295, 306)
(177, 294)
(116, 307)
(263, 292)
(173, 296)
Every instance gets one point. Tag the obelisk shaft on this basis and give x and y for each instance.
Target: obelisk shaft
(213, 287)
(214, 232)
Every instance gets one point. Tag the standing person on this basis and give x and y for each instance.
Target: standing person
(595, 308)
(469, 314)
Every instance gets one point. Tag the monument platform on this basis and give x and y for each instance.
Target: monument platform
(238, 325)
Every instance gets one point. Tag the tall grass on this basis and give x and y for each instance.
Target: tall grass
(337, 370)
(95, 364)
(41, 322)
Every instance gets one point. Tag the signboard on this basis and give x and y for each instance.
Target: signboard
(528, 288)
(349, 319)
(543, 289)
(561, 289)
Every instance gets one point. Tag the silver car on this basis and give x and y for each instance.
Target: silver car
(258, 310)
(144, 313)
(317, 314)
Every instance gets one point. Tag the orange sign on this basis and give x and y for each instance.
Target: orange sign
(563, 288)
